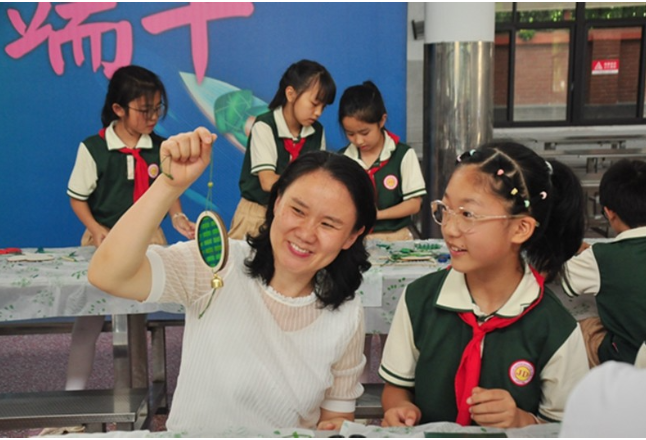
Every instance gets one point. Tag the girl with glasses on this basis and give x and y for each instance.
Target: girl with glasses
(112, 171)
(485, 342)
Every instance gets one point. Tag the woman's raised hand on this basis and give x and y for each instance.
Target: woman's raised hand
(185, 156)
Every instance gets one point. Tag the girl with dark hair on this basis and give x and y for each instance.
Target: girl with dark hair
(281, 344)
(113, 169)
(392, 166)
(484, 341)
(277, 137)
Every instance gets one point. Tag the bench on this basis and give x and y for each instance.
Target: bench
(128, 408)
(37, 327)
(93, 408)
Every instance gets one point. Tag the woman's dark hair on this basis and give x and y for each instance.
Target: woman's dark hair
(301, 76)
(129, 83)
(363, 102)
(623, 190)
(550, 192)
(336, 283)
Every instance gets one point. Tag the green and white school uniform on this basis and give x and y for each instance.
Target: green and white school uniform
(614, 273)
(266, 151)
(105, 177)
(397, 177)
(538, 358)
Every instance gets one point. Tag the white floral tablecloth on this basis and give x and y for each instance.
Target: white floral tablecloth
(349, 429)
(59, 287)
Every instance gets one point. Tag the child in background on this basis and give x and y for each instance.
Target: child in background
(614, 272)
(484, 341)
(392, 166)
(277, 137)
(112, 170)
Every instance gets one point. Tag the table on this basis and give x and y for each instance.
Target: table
(592, 156)
(384, 283)
(59, 288)
(615, 142)
(439, 430)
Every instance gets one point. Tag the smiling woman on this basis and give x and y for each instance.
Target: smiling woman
(322, 211)
(285, 291)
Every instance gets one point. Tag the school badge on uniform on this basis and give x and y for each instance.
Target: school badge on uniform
(153, 170)
(391, 181)
(521, 372)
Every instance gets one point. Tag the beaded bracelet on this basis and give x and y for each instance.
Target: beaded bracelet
(179, 214)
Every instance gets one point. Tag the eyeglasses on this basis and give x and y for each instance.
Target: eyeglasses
(150, 113)
(466, 220)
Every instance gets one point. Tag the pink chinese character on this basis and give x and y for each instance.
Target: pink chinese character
(196, 15)
(74, 32)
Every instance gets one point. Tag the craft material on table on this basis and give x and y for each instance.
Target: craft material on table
(407, 252)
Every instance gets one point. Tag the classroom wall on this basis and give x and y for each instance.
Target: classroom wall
(56, 60)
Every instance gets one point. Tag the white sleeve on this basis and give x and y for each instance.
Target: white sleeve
(561, 374)
(582, 274)
(84, 176)
(400, 353)
(323, 145)
(264, 151)
(609, 402)
(413, 184)
(179, 276)
(341, 397)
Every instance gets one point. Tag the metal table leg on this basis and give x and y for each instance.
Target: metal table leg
(130, 351)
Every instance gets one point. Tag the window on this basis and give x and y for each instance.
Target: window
(569, 64)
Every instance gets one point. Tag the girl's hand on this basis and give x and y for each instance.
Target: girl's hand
(185, 156)
(405, 415)
(98, 233)
(496, 408)
(331, 424)
(332, 420)
(183, 225)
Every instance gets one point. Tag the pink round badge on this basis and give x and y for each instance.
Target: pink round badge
(153, 170)
(391, 182)
(521, 372)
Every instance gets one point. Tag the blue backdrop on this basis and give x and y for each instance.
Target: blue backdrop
(57, 58)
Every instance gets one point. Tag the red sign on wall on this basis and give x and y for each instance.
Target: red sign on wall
(605, 67)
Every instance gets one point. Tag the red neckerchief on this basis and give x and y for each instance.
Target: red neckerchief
(375, 168)
(141, 169)
(293, 148)
(468, 374)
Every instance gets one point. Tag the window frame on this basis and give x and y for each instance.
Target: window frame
(578, 28)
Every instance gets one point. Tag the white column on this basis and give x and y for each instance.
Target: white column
(458, 89)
